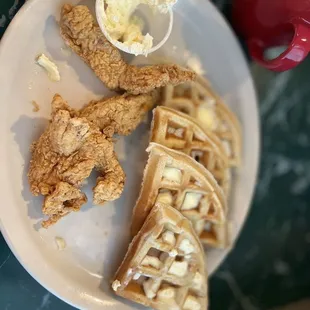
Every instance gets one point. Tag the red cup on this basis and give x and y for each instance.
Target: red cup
(273, 23)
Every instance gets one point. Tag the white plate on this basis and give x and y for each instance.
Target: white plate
(97, 237)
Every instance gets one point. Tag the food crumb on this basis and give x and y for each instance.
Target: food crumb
(195, 64)
(61, 243)
(36, 107)
(115, 285)
(49, 66)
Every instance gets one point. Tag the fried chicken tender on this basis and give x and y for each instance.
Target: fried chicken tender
(81, 32)
(64, 157)
(63, 200)
(122, 114)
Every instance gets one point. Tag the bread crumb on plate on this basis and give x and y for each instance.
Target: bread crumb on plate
(36, 107)
(61, 243)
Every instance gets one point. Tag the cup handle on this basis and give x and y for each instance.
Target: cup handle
(291, 57)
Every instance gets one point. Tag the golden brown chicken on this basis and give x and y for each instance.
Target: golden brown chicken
(81, 32)
(76, 142)
(64, 157)
(120, 114)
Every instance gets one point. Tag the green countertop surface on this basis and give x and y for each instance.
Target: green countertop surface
(269, 267)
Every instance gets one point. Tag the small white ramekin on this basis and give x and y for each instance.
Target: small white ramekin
(101, 15)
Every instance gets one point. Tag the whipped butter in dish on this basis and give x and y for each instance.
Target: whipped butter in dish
(124, 28)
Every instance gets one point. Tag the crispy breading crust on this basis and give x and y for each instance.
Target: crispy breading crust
(122, 113)
(64, 157)
(81, 32)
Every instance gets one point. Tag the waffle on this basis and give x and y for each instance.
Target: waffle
(200, 101)
(181, 132)
(164, 267)
(176, 179)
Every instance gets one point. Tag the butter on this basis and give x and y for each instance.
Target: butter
(206, 114)
(178, 132)
(173, 253)
(168, 237)
(178, 269)
(122, 26)
(172, 174)
(186, 247)
(151, 261)
(199, 226)
(206, 118)
(191, 303)
(134, 38)
(198, 281)
(165, 197)
(150, 288)
(166, 293)
(50, 67)
(191, 201)
(163, 6)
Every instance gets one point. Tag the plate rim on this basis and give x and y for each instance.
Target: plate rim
(82, 302)
(225, 253)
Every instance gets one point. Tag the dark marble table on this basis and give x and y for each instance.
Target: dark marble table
(270, 265)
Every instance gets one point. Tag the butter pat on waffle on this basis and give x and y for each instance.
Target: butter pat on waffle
(181, 132)
(164, 267)
(201, 102)
(176, 179)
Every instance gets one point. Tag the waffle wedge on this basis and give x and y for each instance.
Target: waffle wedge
(201, 102)
(176, 179)
(181, 132)
(164, 267)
